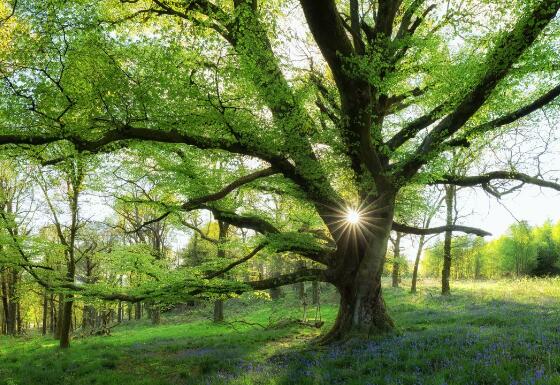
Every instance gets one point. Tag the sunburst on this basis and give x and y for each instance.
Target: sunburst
(353, 216)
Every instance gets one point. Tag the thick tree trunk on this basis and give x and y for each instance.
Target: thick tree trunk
(362, 309)
(417, 263)
(446, 271)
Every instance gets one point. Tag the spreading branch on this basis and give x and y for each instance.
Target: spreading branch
(498, 62)
(437, 230)
(463, 139)
(494, 175)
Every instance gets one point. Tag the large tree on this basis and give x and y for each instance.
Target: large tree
(386, 89)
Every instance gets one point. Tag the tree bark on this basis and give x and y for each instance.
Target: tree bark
(66, 321)
(59, 315)
(52, 315)
(45, 313)
(358, 275)
(219, 311)
(417, 263)
(155, 314)
(446, 270)
(396, 260)
(219, 304)
(138, 311)
(315, 292)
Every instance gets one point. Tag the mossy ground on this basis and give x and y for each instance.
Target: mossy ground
(505, 332)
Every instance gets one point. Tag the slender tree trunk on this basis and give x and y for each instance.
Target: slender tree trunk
(5, 304)
(66, 321)
(275, 292)
(2, 320)
(396, 260)
(417, 263)
(52, 315)
(446, 271)
(219, 311)
(315, 292)
(59, 315)
(120, 312)
(219, 304)
(155, 314)
(45, 313)
(138, 310)
(19, 318)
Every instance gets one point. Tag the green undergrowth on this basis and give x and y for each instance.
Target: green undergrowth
(504, 332)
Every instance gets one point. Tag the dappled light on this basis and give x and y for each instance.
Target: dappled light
(279, 192)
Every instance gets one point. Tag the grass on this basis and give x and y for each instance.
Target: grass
(495, 332)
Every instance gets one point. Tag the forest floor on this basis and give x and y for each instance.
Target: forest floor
(488, 332)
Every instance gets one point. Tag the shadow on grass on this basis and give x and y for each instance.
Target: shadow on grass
(468, 338)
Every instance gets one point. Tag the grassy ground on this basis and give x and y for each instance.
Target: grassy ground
(505, 332)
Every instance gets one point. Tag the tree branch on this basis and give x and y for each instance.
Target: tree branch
(304, 275)
(498, 63)
(488, 177)
(436, 230)
(196, 202)
(540, 102)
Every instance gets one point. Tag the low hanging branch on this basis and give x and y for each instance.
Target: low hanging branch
(304, 275)
(440, 229)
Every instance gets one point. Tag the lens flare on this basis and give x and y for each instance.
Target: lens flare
(353, 217)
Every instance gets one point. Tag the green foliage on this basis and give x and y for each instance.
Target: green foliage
(524, 250)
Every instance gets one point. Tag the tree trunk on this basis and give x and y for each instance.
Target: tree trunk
(59, 316)
(155, 315)
(66, 321)
(315, 292)
(417, 263)
(358, 276)
(88, 317)
(219, 311)
(138, 310)
(120, 312)
(9, 300)
(396, 260)
(52, 315)
(446, 271)
(45, 313)
(222, 235)
(19, 318)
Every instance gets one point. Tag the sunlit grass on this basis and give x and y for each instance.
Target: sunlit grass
(487, 332)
